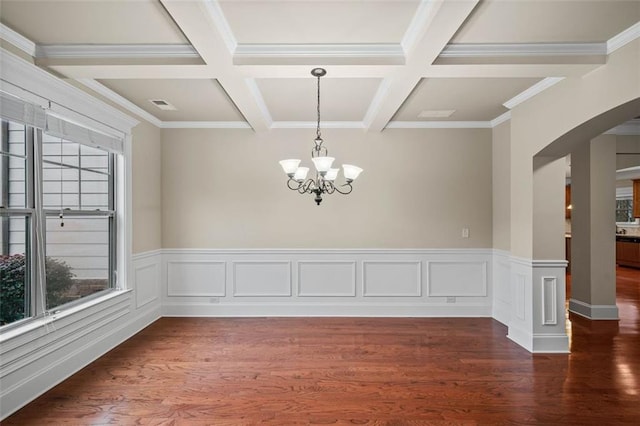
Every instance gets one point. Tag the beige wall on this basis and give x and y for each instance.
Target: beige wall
(501, 149)
(146, 192)
(553, 121)
(419, 188)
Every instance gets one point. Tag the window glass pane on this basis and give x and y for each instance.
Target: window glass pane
(14, 269)
(13, 165)
(74, 176)
(77, 263)
(624, 210)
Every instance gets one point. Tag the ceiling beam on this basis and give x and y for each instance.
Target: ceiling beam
(199, 25)
(438, 27)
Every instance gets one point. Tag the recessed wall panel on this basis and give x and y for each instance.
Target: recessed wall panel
(262, 278)
(458, 279)
(326, 278)
(196, 278)
(390, 279)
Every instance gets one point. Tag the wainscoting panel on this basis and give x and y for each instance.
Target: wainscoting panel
(147, 282)
(549, 301)
(326, 279)
(326, 282)
(453, 278)
(261, 279)
(196, 278)
(392, 279)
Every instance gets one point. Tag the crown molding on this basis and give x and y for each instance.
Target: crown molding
(18, 40)
(28, 77)
(313, 124)
(532, 91)
(630, 128)
(205, 125)
(217, 16)
(439, 125)
(378, 53)
(501, 119)
(92, 51)
(628, 173)
(622, 39)
(119, 100)
(522, 49)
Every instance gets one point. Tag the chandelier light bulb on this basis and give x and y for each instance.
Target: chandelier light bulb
(351, 172)
(331, 175)
(301, 174)
(290, 166)
(323, 164)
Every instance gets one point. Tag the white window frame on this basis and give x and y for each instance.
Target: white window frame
(36, 86)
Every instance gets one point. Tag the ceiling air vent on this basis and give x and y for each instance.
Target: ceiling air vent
(162, 104)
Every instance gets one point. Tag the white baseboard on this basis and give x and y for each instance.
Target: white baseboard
(594, 312)
(93, 346)
(324, 310)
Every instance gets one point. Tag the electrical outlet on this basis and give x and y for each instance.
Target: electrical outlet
(451, 299)
(465, 232)
(214, 300)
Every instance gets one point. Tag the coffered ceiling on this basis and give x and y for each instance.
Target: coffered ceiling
(390, 63)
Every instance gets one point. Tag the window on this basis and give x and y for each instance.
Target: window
(624, 210)
(64, 189)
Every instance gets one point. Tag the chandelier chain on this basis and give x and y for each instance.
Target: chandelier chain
(318, 109)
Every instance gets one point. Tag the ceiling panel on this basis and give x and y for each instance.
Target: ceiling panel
(473, 99)
(296, 99)
(536, 21)
(303, 22)
(195, 100)
(91, 22)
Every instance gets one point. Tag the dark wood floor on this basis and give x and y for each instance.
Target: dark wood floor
(386, 371)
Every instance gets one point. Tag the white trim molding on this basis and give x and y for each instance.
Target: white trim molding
(18, 40)
(483, 50)
(205, 125)
(439, 125)
(328, 54)
(622, 39)
(532, 91)
(95, 51)
(594, 312)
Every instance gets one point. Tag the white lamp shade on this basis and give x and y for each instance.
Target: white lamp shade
(332, 174)
(290, 166)
(323, 164)
(301, 174)
(351, 172)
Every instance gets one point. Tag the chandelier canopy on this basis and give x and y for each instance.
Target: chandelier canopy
(324, 182)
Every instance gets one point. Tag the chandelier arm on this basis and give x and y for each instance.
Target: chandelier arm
(329, 187)
(348, 191)
(307, 186)
(296, 188)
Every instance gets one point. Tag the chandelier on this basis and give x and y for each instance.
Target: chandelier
(324, 182)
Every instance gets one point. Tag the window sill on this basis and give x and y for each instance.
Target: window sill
(43, 321)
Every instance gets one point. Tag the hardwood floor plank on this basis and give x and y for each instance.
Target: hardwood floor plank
(372, 371)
